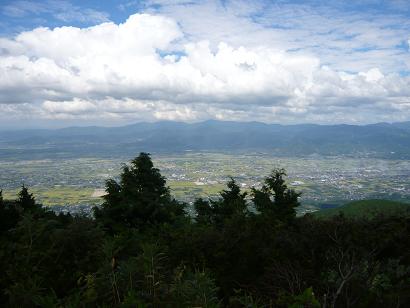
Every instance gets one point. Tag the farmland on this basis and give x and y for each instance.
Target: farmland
(323, 181)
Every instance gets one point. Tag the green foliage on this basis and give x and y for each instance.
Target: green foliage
(245, 299)
(143, 251)
(204, 212)
(152, 260)
(230, 204)
(367, 209)
(139, 200)
(9, 216)
(275, 199)
(26, 199)
(305, 300)
(194, 289)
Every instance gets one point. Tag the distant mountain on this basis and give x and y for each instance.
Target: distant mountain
(375, 140)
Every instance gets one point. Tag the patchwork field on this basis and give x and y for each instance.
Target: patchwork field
(323, 181)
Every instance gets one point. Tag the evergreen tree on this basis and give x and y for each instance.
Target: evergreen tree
(9, 214)
(232, 201)
(204, 211)
(26, 199)
(275, 199)
(229, 258)
(140, 199)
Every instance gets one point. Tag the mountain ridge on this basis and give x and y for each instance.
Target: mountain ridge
(388, 140)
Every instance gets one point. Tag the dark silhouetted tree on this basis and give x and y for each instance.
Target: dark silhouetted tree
(9, 215)
(275, 199)
(204, 211)
(232, 202)
(26, 199)
(140, 199)
(229, 257)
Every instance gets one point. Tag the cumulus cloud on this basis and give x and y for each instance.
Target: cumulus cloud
(352, 37)
(147, 68)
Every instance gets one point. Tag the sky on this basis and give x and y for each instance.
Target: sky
(65, 63)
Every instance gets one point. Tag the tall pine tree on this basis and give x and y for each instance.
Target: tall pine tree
(26, 199)
(140, 199)
(275, 199)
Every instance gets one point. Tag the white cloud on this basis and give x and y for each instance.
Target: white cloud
(74, 107)
(147, 69)
(343, 39)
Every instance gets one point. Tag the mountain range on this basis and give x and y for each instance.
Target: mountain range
(386, 140)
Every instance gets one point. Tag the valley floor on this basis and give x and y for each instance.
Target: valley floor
(324, 181)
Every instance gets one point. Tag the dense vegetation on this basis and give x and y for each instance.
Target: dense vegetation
(143, 250)
(367, 209)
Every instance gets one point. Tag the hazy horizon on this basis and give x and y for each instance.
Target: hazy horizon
(112, 125)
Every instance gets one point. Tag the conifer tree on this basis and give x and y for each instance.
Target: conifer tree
(275, 199)
(204, 211)
(26, 199)
(140, 199)
(232, 201)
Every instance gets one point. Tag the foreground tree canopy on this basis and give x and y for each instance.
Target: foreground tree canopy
(140, 200)
(243, 249)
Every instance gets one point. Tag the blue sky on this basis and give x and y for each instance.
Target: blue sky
(26, 14)
(270, 61)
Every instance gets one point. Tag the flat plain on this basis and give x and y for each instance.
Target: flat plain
(323, 181)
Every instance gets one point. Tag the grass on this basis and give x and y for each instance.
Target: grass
(58, 195)
(367, 208)
(189, 190)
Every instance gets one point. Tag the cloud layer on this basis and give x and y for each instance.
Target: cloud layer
(149, 68)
